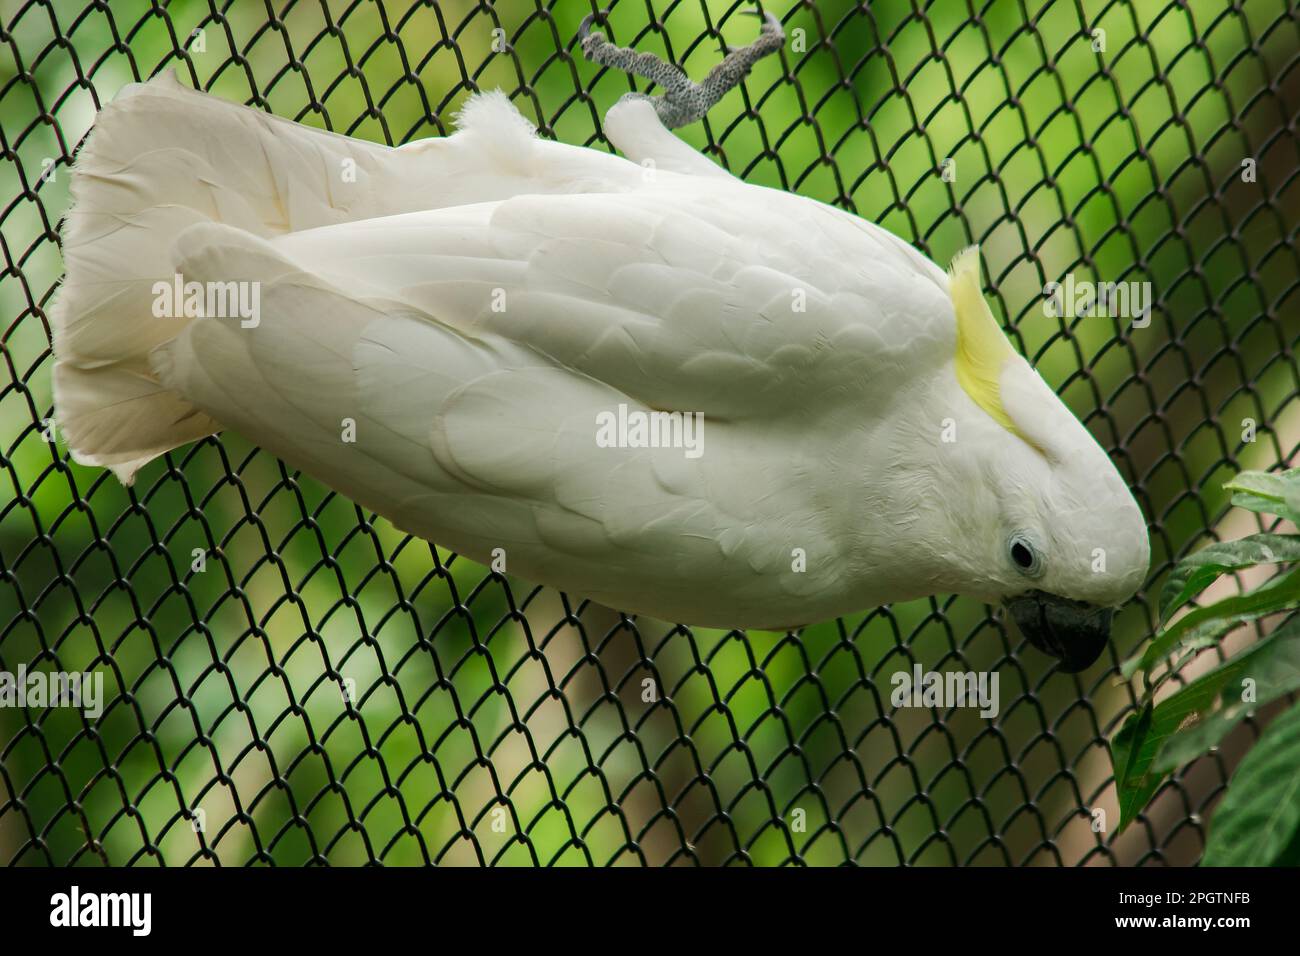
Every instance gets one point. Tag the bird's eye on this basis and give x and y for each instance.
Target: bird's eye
(1024, 555)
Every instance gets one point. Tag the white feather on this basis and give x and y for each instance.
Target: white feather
(473, 303)
(500, 130)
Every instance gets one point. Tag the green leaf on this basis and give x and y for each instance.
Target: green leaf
(1278, 594)
(1200, 637)
(1144, 734)
(1134, 785)
(1291, 855)
(1196, 572)
(1268, 492)
(1260, 814)
(1275, 671)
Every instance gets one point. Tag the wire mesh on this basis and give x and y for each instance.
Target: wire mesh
(289, 680)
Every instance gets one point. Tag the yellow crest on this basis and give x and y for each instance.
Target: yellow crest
(982, 348)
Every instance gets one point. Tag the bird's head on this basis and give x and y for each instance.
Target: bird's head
(1049, 527)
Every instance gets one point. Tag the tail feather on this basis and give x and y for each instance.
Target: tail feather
(163, 158)
(160, 159)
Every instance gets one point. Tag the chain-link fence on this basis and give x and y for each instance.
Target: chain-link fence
(288, 679)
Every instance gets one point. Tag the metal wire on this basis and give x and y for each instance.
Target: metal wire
(291, 681)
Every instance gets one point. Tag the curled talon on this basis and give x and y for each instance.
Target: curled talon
(584, 28)
(682, 101)
(586, 38)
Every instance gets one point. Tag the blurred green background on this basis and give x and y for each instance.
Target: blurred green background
(494, 722)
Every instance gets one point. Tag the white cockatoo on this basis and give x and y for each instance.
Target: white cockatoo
(637, 379)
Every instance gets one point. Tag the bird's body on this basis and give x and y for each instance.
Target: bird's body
(443, 328)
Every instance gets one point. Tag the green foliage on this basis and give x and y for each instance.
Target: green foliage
(1258, 822)
(1267, 493)
(1197, 572)
(1261, 812)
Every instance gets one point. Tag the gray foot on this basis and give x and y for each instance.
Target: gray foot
(683, 101)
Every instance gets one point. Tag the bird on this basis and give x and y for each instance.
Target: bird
(636, 377)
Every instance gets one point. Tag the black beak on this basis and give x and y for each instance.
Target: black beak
(1073, 632)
